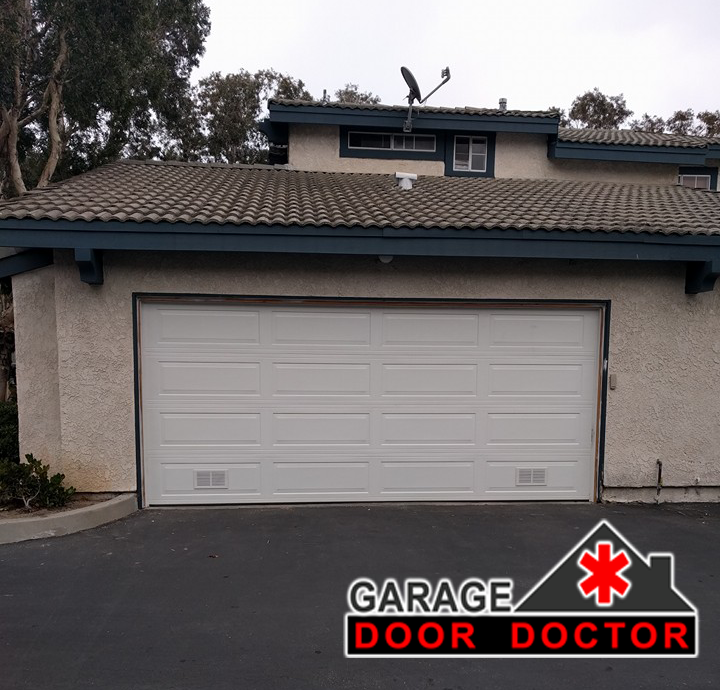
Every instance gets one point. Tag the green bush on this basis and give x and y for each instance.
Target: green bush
(9, 449)
(28, 483)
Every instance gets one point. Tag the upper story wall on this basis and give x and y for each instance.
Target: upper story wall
(317, 148)
(525, 156)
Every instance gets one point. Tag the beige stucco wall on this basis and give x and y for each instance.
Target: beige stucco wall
(525, 156)
(37, 364)
(664, 348)
(317, 147)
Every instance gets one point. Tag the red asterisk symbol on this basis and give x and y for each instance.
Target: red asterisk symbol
(604, 568)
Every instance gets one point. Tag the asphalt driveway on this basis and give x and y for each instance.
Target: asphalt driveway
(248, 597)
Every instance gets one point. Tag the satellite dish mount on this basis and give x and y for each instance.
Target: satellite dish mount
(415, 95)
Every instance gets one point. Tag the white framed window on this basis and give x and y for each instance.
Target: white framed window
(695, 181)
(470, 154)
(379, 141)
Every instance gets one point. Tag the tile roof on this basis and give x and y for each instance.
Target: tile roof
(490, 112)
(629, 137)
(135, 191)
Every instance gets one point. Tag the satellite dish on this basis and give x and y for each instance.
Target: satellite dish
(414, 94)
(410, 80)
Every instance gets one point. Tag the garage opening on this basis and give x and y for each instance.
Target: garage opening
(307, 402)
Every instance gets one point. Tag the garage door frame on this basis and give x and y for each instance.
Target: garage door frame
(604, 307)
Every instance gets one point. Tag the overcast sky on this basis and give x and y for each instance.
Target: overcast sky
(662, 55)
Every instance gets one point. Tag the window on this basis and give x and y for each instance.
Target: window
(391, 142)
(695, 181)
(470, 154)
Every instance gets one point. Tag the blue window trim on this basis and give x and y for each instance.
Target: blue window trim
(346, 152)
(701, 170)
(450, 155)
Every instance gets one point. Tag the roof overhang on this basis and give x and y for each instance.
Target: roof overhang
(429, 121)
(700, 253)
(675, 155)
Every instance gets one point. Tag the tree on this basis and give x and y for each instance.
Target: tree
(648, 123)
(351, 94)
(230, 108)
(94, 78)
(704, 124)
(595, 110)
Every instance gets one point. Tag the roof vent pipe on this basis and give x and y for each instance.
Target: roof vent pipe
(503, 104)
(405, 180)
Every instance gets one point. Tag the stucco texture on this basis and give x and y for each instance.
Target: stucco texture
(517, 155)
(664, 348)
(525, 156)
(317, 147)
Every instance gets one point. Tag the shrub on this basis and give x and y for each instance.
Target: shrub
(9, 449)
(28, 483)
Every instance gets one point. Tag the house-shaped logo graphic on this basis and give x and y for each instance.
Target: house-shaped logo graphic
(651, 586)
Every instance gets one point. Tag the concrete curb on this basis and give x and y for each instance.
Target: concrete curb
(21, 529)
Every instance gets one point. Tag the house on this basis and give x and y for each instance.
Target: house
(473, 305)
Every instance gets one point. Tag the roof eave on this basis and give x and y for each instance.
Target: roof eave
(352, 117)
(674, 155)
(700, 253)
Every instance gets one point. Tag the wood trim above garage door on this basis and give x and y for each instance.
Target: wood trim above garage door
(461, 416)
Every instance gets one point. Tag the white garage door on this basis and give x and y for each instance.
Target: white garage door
(249, 403)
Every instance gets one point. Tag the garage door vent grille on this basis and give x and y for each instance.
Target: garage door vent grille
(211, 479)
(531, 476)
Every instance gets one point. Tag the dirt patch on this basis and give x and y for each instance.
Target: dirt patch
(77, 501)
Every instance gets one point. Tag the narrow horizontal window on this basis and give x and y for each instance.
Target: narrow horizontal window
(369, 140)
(391, 142)
(470, 154)
(694, 181)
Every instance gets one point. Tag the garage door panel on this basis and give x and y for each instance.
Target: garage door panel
(320, 329)
(529, 380)
(429, 380)
(209, 429)
(225, 480)
(292, 403)
(204, 326)
(557, 331)
(543, 429)
(321, 429)
(427, 476)
(203, 379)
(298, 379)
(530, 477)
(428, 429)
(329, 477)
(417, 330)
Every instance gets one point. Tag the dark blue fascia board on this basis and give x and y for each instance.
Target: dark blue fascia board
(25, 261)
(317, 115)
(381, 241)
(277, 133)
(675, 155)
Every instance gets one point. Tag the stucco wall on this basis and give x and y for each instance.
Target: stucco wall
(37, 364)
(665, 347)
(317, 147)
(525, 155)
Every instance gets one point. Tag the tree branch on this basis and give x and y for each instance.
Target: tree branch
(54, 113)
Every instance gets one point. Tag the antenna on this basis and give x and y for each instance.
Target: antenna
(414, 94)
